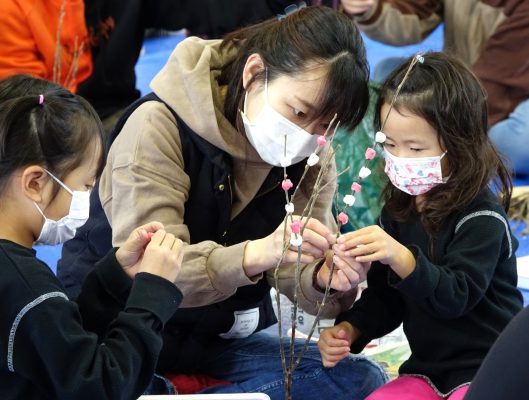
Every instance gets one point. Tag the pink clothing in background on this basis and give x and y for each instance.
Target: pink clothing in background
(413, 388)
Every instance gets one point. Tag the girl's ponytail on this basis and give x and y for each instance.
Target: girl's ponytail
(42, 123)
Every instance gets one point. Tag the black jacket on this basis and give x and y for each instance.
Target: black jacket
(45, 351)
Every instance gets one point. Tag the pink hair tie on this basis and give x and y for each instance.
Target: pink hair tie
(41, 99)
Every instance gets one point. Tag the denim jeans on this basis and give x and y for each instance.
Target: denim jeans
(511, 138)
(254, 365)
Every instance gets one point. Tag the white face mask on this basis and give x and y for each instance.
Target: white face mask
(267, 135)
(414, 176)
(55, 232)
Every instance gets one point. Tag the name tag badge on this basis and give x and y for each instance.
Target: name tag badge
(245, 324)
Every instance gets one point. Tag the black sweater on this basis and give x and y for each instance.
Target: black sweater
(454, 304)
(45, 353)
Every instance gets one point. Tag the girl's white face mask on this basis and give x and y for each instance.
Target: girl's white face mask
(55, 232)
(267, 135)
(414, 176)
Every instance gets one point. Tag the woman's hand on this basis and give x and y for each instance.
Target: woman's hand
(374, 244)
(262, 254)
(347, 273)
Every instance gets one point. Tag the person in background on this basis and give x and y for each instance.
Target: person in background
(443, 254)
(28, 41)
(51, 153)
(100, 40)
(490, 36)
(202, 154)
(117, 32)
(502, 373)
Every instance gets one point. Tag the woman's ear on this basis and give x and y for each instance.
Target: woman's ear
(32, 182)
(254, 65)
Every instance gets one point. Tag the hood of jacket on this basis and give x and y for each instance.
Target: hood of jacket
(188, 83)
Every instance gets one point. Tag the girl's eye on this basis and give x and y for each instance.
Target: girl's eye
(298, 113)
(415, 149)
(390, 145)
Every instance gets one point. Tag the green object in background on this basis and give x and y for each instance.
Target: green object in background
(351, 147)
(390, 356)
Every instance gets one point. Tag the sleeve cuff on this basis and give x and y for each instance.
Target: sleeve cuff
(115, 281)
(226, 271)
(309, 285)
(312, 296)
(154, 294)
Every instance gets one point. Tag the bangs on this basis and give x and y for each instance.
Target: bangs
(343, 93)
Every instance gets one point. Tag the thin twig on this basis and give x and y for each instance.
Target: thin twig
(57, 64)
(69, 81)
(307, 214)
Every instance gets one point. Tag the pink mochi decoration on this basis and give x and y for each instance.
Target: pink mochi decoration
(370, 153)
(343, 218)
(286, 184)
(295, 227)
(356, 187)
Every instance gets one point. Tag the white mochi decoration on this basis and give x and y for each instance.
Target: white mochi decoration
(296, 240)
(289, 208)
(364, 172)
(380, 137)
(349, 199)
(313, 160)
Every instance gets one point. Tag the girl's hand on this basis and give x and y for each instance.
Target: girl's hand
(262, 254)
(163, 256)
(357, 7)
(347, 273)
(334, 343)
(374, 244)
(129, 255)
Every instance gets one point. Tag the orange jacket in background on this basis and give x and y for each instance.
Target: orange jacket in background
(28, 32)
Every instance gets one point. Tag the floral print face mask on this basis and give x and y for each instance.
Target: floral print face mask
(414, 176)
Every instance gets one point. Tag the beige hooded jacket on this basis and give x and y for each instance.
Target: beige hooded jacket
(144, 179)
